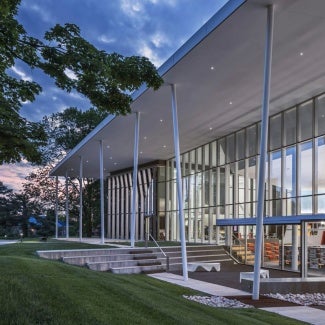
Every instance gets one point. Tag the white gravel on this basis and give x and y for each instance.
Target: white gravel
(216, 301)
(305, 299)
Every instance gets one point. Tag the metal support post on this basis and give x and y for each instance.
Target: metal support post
(179, 183)
(66, 206)
(80, 198)
(263, 152)
(56, 207)
(135, 176)
(101, 176)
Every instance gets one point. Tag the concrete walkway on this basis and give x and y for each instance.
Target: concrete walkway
(7, 242)
(303, 313)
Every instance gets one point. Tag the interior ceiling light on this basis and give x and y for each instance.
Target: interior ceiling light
(141, 152)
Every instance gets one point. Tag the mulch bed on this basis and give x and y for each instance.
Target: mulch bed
(263, 301)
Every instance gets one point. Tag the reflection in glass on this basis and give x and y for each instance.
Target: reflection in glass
(320, 170)
(306, 121)
(290, 126)
(275, 132)
(306, 176)
(320, 115)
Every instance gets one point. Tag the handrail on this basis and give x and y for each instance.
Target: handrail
(165, 255)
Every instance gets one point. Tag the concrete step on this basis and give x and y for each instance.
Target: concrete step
(139, 269)
(140, 256)
(107, 266)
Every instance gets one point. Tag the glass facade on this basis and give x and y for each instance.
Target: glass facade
(220, 180)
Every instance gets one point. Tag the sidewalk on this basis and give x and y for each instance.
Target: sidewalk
(303, 313)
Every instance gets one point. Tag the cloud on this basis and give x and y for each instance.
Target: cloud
(106, 40)
(19, 72)
(13, 175)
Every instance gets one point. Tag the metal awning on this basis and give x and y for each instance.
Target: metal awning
(219, 78)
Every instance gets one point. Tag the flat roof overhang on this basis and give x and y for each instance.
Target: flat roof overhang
(277, 220)
(232, 42)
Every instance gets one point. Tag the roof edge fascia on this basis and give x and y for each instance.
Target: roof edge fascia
(217, 19)
(220, 16)
(83, 142)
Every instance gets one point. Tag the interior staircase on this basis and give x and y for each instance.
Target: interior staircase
(137, 260)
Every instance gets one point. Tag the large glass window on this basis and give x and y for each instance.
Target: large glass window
(306, 176)
(289, 180)
(320, 115)
(290, 126)
(240, 144)
(320, 174)
(275, 131)
(230, 148)
(251, 140)
(241, 188)
(222, 151)
(275, 175)
(305, 121)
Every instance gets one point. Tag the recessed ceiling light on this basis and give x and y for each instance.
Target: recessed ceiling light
(107, 147)
(111, 158)
(145, 138)
(230, 103)
(212, 67)
(87, 161)
(115, 163)
(141, 152)
(161, 120)
(164, 146)
(301, 53)
(210, 128)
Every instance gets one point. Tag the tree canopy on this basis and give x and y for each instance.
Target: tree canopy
(106, 79)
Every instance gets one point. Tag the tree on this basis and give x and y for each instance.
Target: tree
(106, 79)
(66, 129)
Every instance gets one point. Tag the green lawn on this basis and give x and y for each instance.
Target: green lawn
(38, 291)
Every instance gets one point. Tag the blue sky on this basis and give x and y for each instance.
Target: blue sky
(151, 28)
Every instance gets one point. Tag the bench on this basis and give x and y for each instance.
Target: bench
(192, 267)
(250, 275)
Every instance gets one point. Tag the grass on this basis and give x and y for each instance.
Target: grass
(39, 291)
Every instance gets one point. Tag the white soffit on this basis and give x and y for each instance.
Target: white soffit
(219, 85)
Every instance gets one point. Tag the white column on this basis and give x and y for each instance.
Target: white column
(179, 183)
(135, 176)
(66, 206)
(56, 206)
(80, 198)
(101, 176)
(263, 151)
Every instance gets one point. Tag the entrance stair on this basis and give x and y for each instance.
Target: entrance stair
(138, 260)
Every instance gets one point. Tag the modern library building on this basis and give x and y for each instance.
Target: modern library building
(201, 135)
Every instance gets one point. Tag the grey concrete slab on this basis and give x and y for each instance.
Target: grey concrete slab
(209, 288)
(303, 313)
